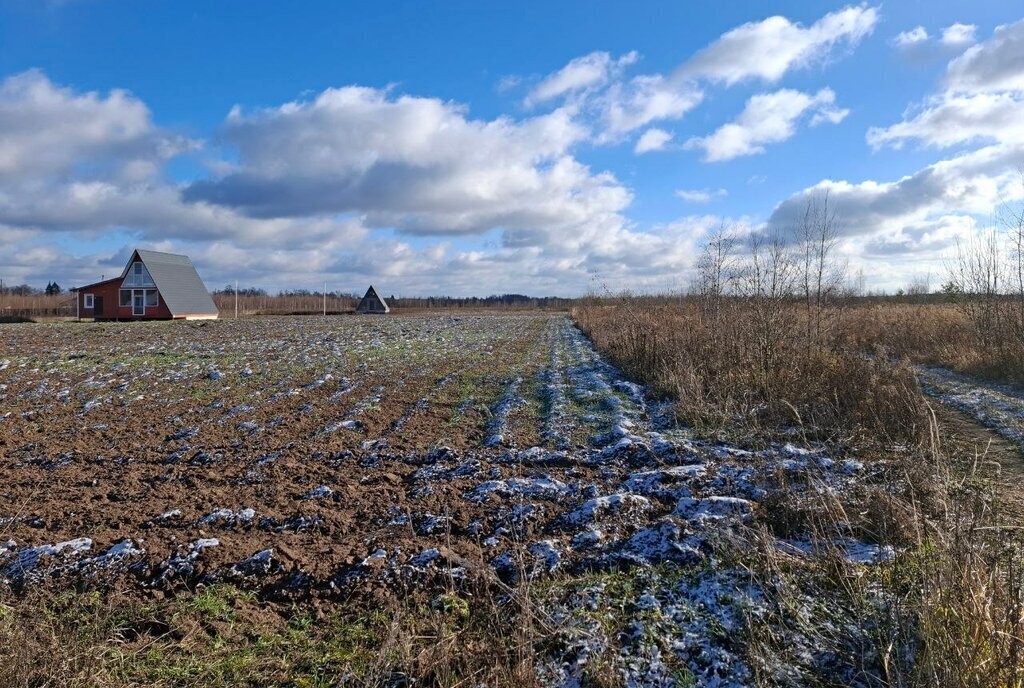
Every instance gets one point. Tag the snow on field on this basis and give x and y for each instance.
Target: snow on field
(996, 406)
(312, 456)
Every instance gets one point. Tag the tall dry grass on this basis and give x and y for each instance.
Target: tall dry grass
(949, 611)
(282, 304)
(942, 334)
(18, 306)
(735, 366)
(768, 340)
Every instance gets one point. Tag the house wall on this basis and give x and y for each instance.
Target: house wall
(111, 308)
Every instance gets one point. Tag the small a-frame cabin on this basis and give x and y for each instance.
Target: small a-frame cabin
(153, 286)
(373, 303)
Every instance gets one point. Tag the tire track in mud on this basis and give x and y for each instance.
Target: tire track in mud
(613, 407)
(556, 422)
(995, 406)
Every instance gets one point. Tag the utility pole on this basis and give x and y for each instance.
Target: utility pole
(325, 297)
(236, 299)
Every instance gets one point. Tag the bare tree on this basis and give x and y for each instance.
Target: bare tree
(1010, 217)
(822, 276)
(715, 270)
(978, 274)
(766, 283)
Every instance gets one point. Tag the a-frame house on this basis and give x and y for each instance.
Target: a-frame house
(373, 303)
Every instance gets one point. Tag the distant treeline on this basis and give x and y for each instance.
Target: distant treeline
(256, 301)
(494, 301)
(51, 289)
(25, 301)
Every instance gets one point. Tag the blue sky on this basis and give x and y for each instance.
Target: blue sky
(461, 148)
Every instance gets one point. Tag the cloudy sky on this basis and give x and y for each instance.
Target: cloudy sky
(474, 148)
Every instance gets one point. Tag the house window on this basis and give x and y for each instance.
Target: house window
(125, 298)
(151, 298)
(138, 276)
(88, 301)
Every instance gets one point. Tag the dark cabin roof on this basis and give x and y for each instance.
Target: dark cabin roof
(367, 302)
(177, 281)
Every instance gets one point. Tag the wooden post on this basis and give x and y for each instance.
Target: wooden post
(236, 299)
(325, 298)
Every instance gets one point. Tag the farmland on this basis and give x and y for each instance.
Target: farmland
(347, 458)
(486, 464)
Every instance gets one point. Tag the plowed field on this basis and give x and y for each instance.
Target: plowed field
(324, 458)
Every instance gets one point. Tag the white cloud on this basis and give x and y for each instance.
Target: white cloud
(636, 103)
(701, 195)
(598, 91)
(954, 118)
(416, 164)
(958, 35)
(311, 183)
(652, 140)
(971, 183)
(507, 83)
(891, 226)
(316, 185)
(912, 225)
(928, 239)
(767, 118)
(913, 37)
(769, 48)
(47, 130)
(984, 99)
(588, 71)
(616, 106)
(994, 65)
(920, 46)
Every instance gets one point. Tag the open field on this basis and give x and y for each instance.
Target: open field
(479, 481)
(358, 460)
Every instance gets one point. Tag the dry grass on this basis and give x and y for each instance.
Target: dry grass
(949, 611)
(736, 366)
(941, 334)
(282, 304)
(14, 308)
(221, 636)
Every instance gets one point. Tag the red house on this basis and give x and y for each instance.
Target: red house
(153, 286)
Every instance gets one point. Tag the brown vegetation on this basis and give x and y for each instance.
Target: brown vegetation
(20, 307)
(763, 363)
(16, 307)
(767, 339)
(763, 340)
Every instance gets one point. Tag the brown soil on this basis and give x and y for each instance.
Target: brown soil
(110, 426)
(978, 451)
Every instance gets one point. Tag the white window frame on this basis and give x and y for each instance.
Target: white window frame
(156, 299)
(88, 302)
(122, 292)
